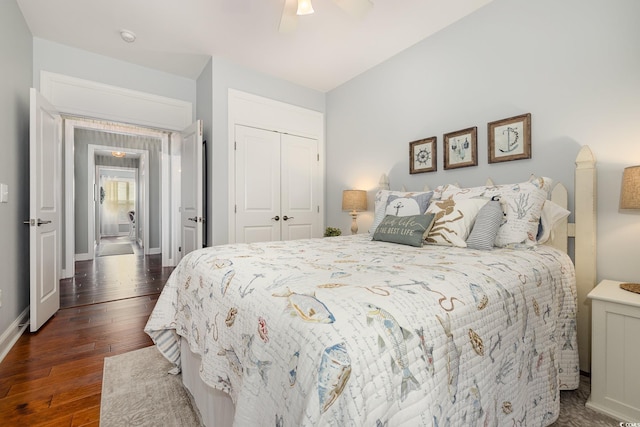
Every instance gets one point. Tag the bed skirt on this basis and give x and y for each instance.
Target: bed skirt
(216, 408)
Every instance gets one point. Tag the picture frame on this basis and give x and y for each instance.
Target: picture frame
(423, 155)
(461, 148)
(509, 139)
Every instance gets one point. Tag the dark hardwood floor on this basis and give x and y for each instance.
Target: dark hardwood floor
(109, 278)
(54, 377)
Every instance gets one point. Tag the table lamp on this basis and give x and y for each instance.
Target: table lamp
(354, 201)
(630, 199)
(630, 194)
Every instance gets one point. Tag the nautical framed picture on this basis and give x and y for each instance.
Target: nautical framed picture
(510, 139)
(461, 148)
(423, 156)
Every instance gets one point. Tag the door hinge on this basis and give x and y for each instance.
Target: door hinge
(179, 248)
(318, 156)
(318, 208)
(235, 146)
(235, 208)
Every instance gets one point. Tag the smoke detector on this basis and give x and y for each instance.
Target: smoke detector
(128, 36)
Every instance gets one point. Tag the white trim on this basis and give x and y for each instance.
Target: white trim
(11, 335)
(92, 99)
(264, 113)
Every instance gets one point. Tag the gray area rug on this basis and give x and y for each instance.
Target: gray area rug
(138, 391)
(115, 249)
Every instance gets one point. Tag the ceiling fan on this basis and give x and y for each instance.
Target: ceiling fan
(294, 8)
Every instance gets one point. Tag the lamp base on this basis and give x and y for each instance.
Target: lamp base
(354, 222)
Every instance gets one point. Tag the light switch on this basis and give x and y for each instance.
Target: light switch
(4, 193)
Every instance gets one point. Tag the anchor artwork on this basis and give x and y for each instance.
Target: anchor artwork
(510, 139)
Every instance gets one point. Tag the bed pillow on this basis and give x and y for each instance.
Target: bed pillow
(522, 204)
(549, 217)
(453, 220)
(405, 230)
(399, 203)
(485, 229)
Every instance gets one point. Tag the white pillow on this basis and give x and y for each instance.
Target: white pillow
(454, 219)
(399, 203)
(522, 204)
(551, 214)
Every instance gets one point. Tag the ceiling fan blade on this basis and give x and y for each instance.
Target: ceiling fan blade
(289, 19)
(357, 8)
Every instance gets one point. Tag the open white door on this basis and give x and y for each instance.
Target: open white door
(45, 162)
(191, 188)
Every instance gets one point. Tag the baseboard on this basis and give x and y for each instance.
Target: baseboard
(154, 251)
(13, 332)
(83, 257)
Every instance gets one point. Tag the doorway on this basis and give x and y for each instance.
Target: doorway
(117, 230)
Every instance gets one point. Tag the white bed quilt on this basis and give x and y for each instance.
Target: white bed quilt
(346, 331)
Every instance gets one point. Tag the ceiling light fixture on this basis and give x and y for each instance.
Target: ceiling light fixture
(118, 154)
(304, 7)
(128, 36)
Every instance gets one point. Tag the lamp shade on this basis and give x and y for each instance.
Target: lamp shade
(630, 194)
(354, 200)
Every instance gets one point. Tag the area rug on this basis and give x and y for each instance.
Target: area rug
(115, 249)
(137, 390)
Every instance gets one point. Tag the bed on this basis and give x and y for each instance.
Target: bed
(354, 331)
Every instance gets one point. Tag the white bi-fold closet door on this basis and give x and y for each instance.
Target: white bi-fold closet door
(277, 186)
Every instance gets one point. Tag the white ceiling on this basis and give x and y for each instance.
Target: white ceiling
(327, 49)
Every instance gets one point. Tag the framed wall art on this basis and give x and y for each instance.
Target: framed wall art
(510, 139)
(423, 156)
(461, 148)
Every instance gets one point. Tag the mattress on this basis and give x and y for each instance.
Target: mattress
(349, 331)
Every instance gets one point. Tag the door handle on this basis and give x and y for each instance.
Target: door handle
(287, 217)
(38, 223)
(194, 219)
(277, 218)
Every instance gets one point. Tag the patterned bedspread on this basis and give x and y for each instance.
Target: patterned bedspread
(346, 331)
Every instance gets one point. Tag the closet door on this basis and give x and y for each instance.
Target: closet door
(257, 210)
(300, 186)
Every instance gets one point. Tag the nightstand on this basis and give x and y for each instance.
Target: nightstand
(615, 351)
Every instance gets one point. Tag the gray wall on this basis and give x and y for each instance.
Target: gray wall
(83, 138)
(16, 54)
(572, 64)
(228, 75)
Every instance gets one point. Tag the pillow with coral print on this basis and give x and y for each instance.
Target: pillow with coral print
(453, 220)
(522, 204)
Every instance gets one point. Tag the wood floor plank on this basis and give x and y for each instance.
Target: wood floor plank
(54, 377)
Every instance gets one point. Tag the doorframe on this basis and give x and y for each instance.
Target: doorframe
(86, 98)
(99, 170)
(256, 111)
(92, 195)
(70, 125)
